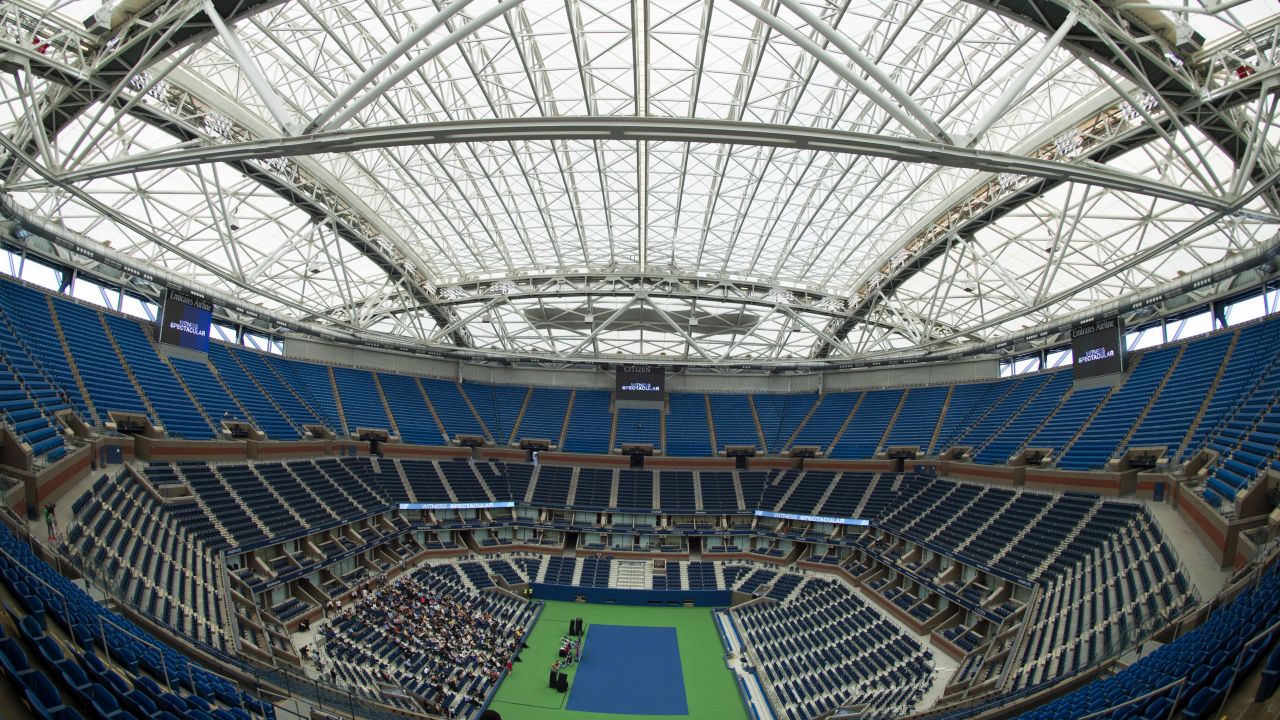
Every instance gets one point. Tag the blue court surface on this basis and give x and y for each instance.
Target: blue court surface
(632, 670)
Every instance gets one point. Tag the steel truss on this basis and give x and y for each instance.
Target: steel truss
(732, 182)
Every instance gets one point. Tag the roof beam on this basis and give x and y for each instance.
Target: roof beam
(250, 68)
(128, 48)
(987, 205)
(380, 65)
(869, 66)
(448, 41)
(888, 104)
(632, 129)
(79, 86)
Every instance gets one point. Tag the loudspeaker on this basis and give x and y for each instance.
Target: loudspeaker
(562, 682)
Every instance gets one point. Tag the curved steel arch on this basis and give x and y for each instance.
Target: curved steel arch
(632, 129)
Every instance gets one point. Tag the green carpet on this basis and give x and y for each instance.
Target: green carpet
(710, 688)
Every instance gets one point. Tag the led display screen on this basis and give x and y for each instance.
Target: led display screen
(185, 320)
(640, 382)
(1097, 349)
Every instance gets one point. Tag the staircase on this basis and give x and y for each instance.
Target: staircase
(711, 428)
(524, 405)
(386, 406)
(737, 490)
(1013, 542)
(1151, 401)
(1075, 531)
(835, 480)
(435, 466)
(568, 411)
(337, 401)
(216, 426)
(573, 489)
(128, 371)
(426, 399)
(470, 406)
(71, 363)
(267, 395)
(404, 480)
(875, 481)
(884, 438)
(835, 439)
(755, 418)
(942, 413)
(812, 409)
(1208, 396)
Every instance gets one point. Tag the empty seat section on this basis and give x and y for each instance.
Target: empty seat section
(981, 431)
(780, 415)
(361, 401)
(1070, 416)
(826, 420)
(638, 425)
(208, 390)
(29, 315)
(808, 491)
(676, 488)
(104, 377)
(718, 492)
(734, 421)
(452, 408)
(967, 403)
(544, 415)
(1109, 427)
(1174, 410)
(179, 414)
(498, 406)
(588, 428)
(277, 387)
(687, 431)
(1014, 434)
(861, 438)
(246, 390)
(919, 416)
(312, 383)
(414, 419)
(635, 491)
(595, 485)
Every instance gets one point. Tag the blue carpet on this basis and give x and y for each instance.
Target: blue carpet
(631, 670)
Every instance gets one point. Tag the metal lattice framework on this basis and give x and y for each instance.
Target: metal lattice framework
(723, 182)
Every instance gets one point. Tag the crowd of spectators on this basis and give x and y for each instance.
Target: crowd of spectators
(431, 642)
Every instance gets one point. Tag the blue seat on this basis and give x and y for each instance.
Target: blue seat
(1159, 709)
(1270, 676)
(13, 660)
(74, 677)
(41, 696)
